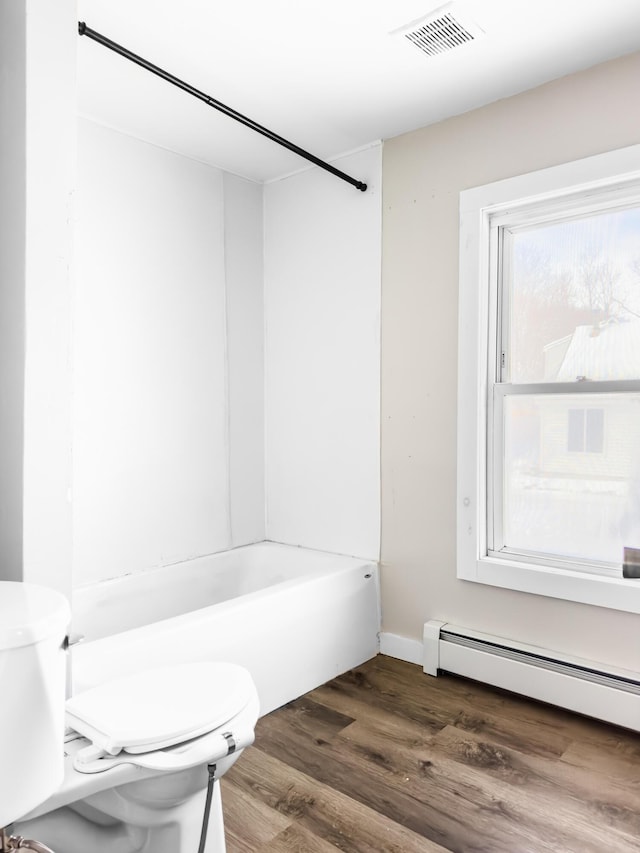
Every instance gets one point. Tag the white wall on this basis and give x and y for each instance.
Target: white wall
(12, 266)
(424, 171)
(243, 249)
(37, 112)
(151, 468)
(322, 318)
(168, 360)
(169, 375)
(51, 174)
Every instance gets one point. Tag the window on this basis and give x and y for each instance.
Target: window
(586, 431)
(549, 381)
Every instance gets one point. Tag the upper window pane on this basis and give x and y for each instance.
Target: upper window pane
(571, 290)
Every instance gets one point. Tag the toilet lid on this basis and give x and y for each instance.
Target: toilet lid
(160, 707)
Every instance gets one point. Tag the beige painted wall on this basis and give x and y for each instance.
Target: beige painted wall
(423, 174)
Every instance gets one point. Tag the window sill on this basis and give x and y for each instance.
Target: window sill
(585, 588)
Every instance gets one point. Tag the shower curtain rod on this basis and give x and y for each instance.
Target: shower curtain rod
(84, 30)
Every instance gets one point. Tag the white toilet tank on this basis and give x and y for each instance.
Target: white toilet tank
(33, 624)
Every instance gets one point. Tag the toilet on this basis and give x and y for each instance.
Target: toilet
(141, 758)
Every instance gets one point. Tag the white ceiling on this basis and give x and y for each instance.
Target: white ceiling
(326, 74)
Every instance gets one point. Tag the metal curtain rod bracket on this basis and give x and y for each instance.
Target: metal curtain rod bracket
(84, 30)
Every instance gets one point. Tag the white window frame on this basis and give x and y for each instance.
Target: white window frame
(476, 334)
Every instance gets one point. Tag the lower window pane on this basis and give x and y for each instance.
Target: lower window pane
(571, 479)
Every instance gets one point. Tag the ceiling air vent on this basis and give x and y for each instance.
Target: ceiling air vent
(441, 31)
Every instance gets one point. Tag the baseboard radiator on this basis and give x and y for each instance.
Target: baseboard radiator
(584, 686)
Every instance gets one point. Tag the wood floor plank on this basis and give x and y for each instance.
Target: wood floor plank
(490, 789)
(370, 774)
(326, 813)
(354, 704)
(243, 835)
(593, 796)
(385, 759)
(431, 701)
(316, 720)
(461, 763)
(545, 783)
(297, 839)
(618, 758)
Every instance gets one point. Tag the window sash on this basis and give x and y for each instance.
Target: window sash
(498, 392)
(502, 226)
(572, 205)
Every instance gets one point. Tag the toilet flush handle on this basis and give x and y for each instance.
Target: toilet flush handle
(71, 639)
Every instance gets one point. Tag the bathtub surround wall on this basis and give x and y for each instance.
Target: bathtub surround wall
(243, 252)
(150, 423)
(157, 313)
(424, 172)
(322, 321)
(169, 362)
(37, 117)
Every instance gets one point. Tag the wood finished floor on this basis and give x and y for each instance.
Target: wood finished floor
(388, 759)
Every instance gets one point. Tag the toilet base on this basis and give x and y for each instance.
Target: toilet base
(111, 822)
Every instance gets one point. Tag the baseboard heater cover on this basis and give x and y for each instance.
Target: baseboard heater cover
(584, 686)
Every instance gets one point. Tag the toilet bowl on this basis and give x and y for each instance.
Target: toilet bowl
(138, 768)
(143, 759)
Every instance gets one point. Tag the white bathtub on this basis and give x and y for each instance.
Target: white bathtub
(293, 617)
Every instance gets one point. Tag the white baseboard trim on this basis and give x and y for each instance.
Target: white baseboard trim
(402, 648)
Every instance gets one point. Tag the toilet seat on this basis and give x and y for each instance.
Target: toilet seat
(156, 718)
